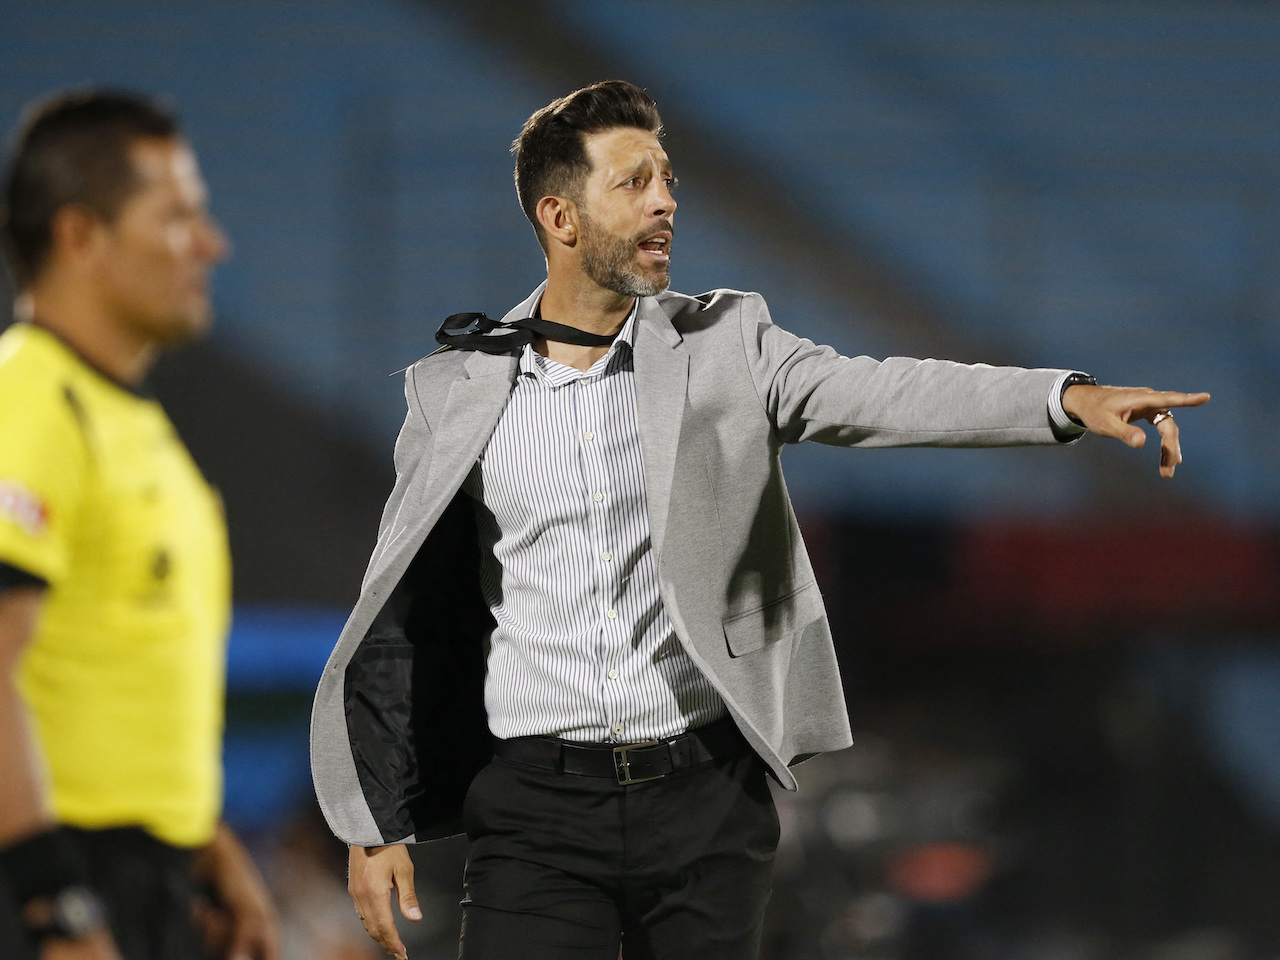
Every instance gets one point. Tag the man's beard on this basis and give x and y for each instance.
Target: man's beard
(611, 261)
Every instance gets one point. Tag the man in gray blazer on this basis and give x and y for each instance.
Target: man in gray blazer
(589, 631)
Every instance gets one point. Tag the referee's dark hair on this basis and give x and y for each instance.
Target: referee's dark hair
(551, 159)
(72, 147)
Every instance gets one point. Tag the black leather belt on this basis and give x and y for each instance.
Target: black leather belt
(627, 762)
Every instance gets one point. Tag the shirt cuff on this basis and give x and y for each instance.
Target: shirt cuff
(1063, 425)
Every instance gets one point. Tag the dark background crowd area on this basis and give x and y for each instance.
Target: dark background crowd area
(1063, 673)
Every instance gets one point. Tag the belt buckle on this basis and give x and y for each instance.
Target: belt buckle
(622, 765)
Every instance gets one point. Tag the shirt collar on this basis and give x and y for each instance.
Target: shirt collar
(535, 364)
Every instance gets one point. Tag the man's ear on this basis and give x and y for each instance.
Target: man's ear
(75, 232)
(559, 219)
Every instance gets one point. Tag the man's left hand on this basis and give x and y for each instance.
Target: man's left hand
(243, 925)
(1111, 412)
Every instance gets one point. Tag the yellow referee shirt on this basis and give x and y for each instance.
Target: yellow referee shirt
(125, 675)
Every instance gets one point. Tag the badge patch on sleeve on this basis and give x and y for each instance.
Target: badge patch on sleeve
(23, 508)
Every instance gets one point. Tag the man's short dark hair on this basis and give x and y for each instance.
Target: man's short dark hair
(72, 147)
(551, 157)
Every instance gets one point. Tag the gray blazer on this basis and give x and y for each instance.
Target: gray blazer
(398, 726)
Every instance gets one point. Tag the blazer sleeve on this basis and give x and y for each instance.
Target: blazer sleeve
(811, 392)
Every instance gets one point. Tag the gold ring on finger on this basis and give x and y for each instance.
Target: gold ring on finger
(1160, 416)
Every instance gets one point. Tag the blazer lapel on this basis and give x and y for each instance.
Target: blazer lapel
(662, 380)
(469, 407)
(471, 411)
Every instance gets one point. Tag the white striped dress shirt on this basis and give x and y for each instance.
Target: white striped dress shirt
(583, 648)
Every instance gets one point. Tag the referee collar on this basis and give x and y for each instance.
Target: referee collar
(141, 390)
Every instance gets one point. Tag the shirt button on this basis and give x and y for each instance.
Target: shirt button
(588, 435)
(613, 674)
(612, 614)
(606, 556)
(597, 496)
(618, 730)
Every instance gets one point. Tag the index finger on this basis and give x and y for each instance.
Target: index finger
(1172, 398)
(375, 914)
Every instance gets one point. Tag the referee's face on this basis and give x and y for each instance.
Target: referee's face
(158, 253)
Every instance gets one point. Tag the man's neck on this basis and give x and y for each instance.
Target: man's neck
(587, 307)
(105, 346)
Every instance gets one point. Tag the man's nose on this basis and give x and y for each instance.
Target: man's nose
(661, 203)
(213, 242)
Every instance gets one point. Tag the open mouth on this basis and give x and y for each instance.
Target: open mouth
(658, 247)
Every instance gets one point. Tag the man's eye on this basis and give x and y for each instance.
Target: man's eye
(671, 182)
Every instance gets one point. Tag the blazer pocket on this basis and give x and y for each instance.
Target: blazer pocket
(747, 632)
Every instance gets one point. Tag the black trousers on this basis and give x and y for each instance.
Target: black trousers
(148, 891)
(567, 867)
(14, 942)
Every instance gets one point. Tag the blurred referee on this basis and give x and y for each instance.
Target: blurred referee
(114, 573)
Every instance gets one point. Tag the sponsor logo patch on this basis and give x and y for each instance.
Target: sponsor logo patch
(23, 508)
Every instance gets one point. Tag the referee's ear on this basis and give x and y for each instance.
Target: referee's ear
(77, 239)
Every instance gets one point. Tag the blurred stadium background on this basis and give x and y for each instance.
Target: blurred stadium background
(1064, 673)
